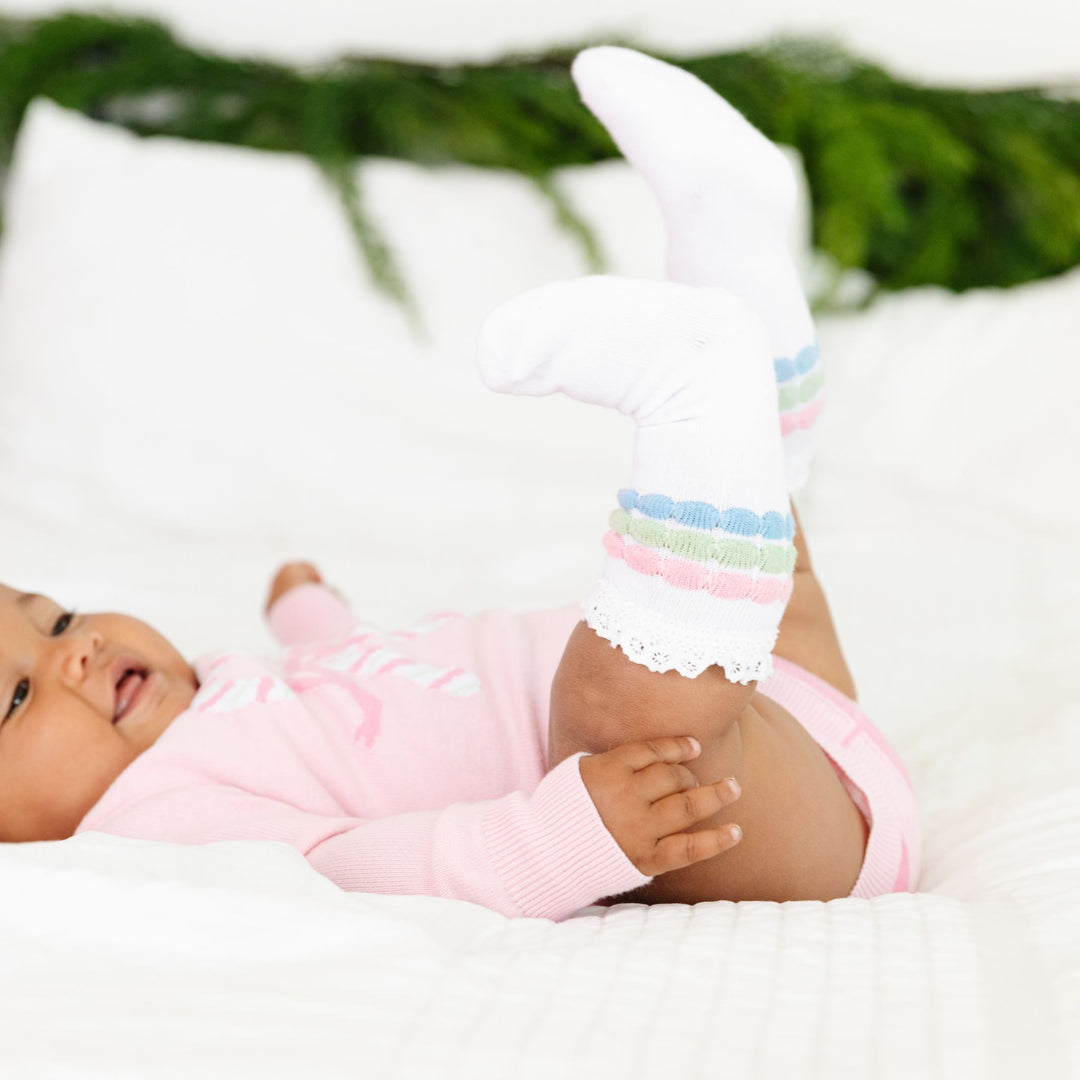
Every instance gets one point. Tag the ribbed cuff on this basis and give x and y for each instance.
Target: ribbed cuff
(553, 853)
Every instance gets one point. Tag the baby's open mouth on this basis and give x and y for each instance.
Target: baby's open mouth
(127, 690)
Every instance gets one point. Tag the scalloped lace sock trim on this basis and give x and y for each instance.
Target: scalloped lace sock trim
(662, 645)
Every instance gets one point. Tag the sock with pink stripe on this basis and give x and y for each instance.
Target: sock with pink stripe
(700, 550)
(727, 194)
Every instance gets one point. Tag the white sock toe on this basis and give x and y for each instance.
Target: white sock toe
(699, 153)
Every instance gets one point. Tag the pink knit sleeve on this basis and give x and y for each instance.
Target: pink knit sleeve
(542, 855)
(309, 613)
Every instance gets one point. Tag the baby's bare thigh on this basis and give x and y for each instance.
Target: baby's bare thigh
(803, 838)
(807, 635)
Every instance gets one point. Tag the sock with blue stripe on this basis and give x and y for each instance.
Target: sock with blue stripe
(700, 549)
(727, 194)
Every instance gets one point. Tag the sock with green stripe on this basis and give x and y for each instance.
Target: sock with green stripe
(727, 194)
(700, 551)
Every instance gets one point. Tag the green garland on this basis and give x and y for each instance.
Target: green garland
(918, 185)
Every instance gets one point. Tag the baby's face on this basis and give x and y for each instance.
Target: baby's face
(61, 741)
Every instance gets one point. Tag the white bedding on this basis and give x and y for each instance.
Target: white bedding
(942, 518)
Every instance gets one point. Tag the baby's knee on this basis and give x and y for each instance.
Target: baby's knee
(601, 699)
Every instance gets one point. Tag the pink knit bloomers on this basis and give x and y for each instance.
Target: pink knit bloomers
(869, 768)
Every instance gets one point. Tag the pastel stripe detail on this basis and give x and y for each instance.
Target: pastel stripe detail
(230, 695)
(206, 702)
(446, 677)
(701, 515)
(354, 657)
(458, 683)
(804, 360)
(700, 547)
(803, 418)
(792, 396)
(684, 574)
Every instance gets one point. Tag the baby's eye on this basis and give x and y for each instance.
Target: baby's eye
(24, 684)
(16, 701)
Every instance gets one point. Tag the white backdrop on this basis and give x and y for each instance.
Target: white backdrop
(993, 43)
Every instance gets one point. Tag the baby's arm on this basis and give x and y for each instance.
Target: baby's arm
(288, 577)
(540, 854)
(300, 608)
(596, 826)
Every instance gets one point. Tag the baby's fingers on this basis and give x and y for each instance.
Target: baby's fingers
(684, 809)
(683, 849)
(648, 752)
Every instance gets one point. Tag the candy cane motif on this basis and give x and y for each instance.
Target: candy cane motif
(370, 706)
(363, 654)
(231, 695)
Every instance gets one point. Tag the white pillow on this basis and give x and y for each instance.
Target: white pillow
(288, 411)
(188, 334)
(191, 349)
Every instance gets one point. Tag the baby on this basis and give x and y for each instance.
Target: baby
(539, 762)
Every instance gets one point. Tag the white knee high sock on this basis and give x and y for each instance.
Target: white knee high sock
(700, 553)
(727, 194)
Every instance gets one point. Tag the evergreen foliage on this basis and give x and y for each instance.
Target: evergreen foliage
(918, 185)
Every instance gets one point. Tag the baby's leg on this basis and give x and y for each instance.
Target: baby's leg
(807, 634)
(728, 196)
(687, 663)
(599, 696)
(670, 645)
(700, 552)
(700, 549)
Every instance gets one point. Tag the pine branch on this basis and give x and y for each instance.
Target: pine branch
(918, 185)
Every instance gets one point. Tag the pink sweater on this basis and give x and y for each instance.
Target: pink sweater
(409, 762)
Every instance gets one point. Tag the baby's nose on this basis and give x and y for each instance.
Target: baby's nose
(80, 650)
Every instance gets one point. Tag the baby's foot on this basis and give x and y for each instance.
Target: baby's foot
(657, 351)
(711, 169)
(727, 194)
(700, 552)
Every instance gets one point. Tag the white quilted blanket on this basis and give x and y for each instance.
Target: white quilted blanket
(942, 518)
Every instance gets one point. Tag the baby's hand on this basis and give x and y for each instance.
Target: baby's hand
(647, 801)
(288, 577)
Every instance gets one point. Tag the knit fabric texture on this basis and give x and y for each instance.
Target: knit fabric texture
(407, 763)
